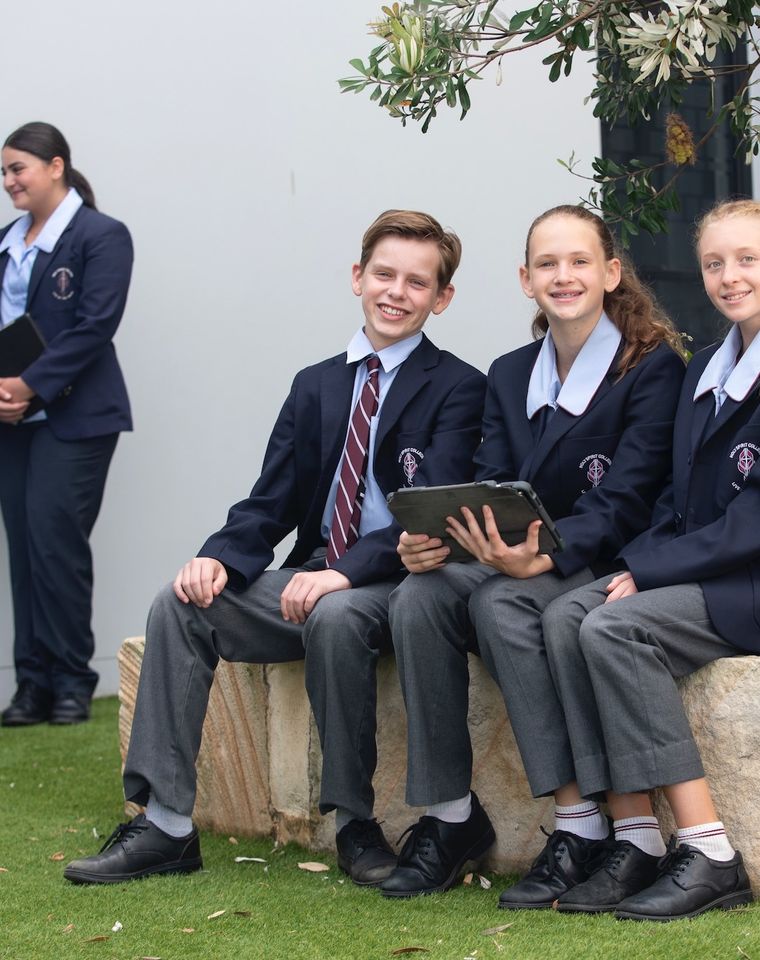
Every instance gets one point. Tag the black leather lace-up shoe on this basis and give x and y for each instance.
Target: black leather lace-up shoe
(74, 708)
(364, 853)
(689, 883)
(435, 853)
(565, 861)
(137, 849)
(30, 704)
(626, 870)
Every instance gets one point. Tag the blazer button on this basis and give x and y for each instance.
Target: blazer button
(66, 391)
(677, 518)
(689, 460)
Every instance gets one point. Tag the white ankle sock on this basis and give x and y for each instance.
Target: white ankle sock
(642, 832)
(452, 811)
(710, 838)
(168, 820)
(583, 819)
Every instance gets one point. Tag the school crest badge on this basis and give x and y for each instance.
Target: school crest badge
(595, 467)
(410, 459)
(745, 455)
(63, 289)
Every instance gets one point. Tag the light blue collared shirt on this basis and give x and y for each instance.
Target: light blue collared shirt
(375, 513)
(725, 376)
(589, 368)
(18, 270)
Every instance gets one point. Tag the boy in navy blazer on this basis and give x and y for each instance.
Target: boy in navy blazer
(411, 414)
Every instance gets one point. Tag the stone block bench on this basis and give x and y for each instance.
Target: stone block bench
(259, 763)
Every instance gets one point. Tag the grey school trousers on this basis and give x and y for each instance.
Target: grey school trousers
(341, 641)
(614, 667)
(435, 617)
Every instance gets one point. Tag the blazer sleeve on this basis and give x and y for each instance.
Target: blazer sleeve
(245, 544)
(448, 459)
(107, 268)
(731, 541)
(607, 517)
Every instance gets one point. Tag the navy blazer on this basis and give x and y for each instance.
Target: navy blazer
(77, 295)
(432, 411)
(706, 524)
(598, 473)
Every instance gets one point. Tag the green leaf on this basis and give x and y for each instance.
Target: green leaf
(358, 65)
(521, 18)
(464, 97)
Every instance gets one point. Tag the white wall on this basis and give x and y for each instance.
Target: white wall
(219, 135)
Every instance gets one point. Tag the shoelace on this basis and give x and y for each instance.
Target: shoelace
(546, 862)
(124, 832)
(676, 859)
(369, 834)
(420, 840)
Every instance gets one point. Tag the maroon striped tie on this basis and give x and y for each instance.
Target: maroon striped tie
(344, 530)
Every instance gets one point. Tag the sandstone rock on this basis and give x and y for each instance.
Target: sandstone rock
(259, 764)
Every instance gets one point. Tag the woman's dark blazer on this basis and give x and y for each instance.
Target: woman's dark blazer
(77, 295)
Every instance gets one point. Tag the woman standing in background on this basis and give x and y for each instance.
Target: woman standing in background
(69, 267)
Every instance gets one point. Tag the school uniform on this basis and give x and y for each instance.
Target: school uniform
(695, 569)
(597, 450)
(73, 280)
(425, 432)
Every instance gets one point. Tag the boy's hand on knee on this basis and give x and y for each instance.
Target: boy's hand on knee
(420, 553)
(200, 581)
(622, 585)
(299, 598)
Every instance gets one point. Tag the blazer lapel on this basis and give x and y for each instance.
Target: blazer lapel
(42, 261)
(558, 426)
(727, 410)
(410, 379)
(336, 391)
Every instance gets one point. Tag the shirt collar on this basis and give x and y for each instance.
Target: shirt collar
(16, 233)
(54, 226)
(586, 374)
(390, 357)
(724, 374)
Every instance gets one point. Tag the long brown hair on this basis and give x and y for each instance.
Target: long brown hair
(631, 306)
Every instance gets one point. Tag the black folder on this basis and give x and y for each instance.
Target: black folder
(21, 343)
(515, 505)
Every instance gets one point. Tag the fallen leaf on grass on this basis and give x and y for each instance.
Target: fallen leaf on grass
(492, 931)
(99, 939)
(117, 926)
(71, 830)
(743, 954)
(233, 840)
(242, 913)
(484, 882)
(3, 870)
(467, 879)
(60, 855)
(250, 860)
(213, 916)
(68, 928)
(396, 953)
(313, 867)
(150, 958)
(188, 930)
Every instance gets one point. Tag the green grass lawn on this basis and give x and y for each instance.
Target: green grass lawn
(58, 787)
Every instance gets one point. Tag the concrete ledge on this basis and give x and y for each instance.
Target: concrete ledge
(259, 764)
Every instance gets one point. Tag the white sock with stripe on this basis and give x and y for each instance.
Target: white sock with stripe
(642, 832)
(710, 838)
(583, 819)
(451, 811)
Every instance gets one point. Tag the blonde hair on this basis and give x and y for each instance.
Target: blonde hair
(631, 306)
(416, 226)
(722, 211)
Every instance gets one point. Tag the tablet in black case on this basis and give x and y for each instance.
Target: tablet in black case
(515, 505)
